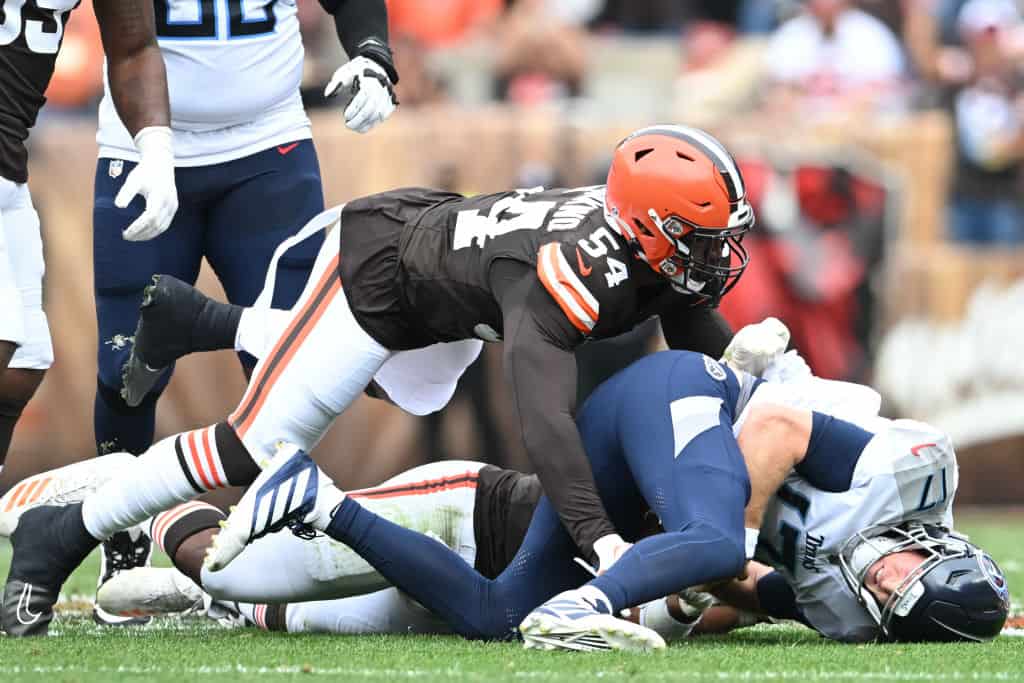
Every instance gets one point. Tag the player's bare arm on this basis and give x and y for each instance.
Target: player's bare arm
(774, 440)
(138, 80)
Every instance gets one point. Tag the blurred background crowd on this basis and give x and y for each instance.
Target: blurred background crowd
(882, 142)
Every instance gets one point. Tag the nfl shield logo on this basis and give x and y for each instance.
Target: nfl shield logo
(116, 166)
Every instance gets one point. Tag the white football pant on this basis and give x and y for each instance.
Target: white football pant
(22, 320)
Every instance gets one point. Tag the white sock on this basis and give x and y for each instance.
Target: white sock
(152, 483)
(258, 328)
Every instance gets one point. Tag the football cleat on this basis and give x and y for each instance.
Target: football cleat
(122, 552)
(291, 491)
(175, 319)
(62, 486)
(48, 544)
(572, 621)
(149, 591)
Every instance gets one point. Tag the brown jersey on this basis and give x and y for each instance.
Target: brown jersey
(415, 263)
(30, 37)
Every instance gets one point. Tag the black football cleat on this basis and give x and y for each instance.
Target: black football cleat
(122, 552)
(175, 319)
(49, 543)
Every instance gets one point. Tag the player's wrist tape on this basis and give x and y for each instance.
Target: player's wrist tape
(750, 541)
(374, 49)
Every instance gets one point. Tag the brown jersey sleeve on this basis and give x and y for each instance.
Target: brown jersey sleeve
(541, 370)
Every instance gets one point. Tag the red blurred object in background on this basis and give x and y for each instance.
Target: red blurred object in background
(809, 272)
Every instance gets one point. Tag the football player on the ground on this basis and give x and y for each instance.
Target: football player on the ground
(659, 436)
(430, 273)
(30, 37)
(441, 499)
(247, 176)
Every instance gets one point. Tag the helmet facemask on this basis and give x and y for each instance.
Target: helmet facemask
(706, 262)
(870, 545)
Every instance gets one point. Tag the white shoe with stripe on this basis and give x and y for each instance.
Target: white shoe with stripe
(291, 491)
(149, 591)
(62, 486)
(571, 621)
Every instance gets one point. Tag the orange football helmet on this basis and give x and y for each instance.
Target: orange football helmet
(677, 197)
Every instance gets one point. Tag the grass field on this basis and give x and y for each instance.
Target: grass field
(194, 649)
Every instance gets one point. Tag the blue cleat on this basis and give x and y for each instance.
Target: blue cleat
(291, 492)
(574, 620)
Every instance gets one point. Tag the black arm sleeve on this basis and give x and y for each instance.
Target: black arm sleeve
(696, 329)
(541, 370)
(363, 30)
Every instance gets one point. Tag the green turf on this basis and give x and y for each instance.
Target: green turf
(192, 649)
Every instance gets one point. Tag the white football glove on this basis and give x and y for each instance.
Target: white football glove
(791, 367)
(755, 346)
(153, 178)
(371, 95)
(608, 550)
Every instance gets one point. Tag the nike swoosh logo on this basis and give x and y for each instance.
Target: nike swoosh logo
(284, 149)
(585, 270)
(23, 602)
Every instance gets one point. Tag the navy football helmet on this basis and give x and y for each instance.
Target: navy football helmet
(957, 592)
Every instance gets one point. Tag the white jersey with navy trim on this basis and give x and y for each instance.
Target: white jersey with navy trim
(907, 472)
(233, 73)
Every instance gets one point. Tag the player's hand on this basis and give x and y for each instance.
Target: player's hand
(608, 550)
(153, 178)
(693, 602)
(370, 94)
(755, 346)
(789, 367)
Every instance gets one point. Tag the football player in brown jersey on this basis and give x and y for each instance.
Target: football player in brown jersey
(404, 290)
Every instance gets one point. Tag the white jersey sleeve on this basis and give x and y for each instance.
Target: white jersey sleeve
(907, 472)
(233, 73)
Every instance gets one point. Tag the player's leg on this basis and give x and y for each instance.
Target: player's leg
(657, 433)
(122, 271)
(427, 570)
(437, 499)
(24, 321)
(686, 463)
(293, 395)
(271, 197)
(385, 611)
